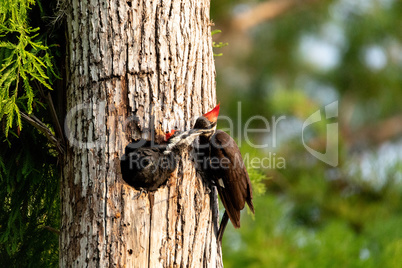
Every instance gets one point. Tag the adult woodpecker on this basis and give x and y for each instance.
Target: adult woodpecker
(223, 163)
(148, 165)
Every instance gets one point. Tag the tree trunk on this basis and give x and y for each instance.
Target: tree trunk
(135, 67)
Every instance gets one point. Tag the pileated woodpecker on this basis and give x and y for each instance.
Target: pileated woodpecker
(224, 165)
(148, 165)
(144, 165)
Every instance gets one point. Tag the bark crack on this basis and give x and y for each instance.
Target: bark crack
(194, 77)
(186, 90)
(151, 199)
(126, 97)
(107, 139)
(157, 50)
(198, 211)
(178, 242)
(202, 73)
(142, 33)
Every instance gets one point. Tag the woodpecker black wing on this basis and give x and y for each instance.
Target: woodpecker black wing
(230, 175)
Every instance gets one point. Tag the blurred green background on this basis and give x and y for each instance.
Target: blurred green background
(292, 58)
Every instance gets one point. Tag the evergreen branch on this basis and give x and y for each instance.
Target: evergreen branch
(56, 122)
(21, 63)
(51, 229)
(265, 11)
(55, 118)
(34, 121)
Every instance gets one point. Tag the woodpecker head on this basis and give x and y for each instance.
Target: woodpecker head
(208, 120)
(204, 126)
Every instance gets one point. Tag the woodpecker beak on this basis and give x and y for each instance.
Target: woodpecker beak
(212, 115)
(185, 138)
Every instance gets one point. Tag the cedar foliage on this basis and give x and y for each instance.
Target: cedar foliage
(29, 173)
(25, 61)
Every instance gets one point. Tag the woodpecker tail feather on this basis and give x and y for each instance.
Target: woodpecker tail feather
(222, 227)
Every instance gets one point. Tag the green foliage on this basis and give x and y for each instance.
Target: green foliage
(29, 185)
(218, 45)
(311, 214)
(258, 180)
(25, 61)
(282, 236)
(29, 202)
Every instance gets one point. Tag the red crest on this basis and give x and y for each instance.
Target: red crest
(212, 115)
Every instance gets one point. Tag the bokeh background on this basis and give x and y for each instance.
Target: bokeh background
(291, 58)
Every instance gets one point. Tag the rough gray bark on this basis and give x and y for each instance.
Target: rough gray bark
(131, 63)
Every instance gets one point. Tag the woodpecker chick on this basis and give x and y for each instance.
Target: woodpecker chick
(145, 166)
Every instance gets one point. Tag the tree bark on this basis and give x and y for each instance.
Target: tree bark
(134, 68)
